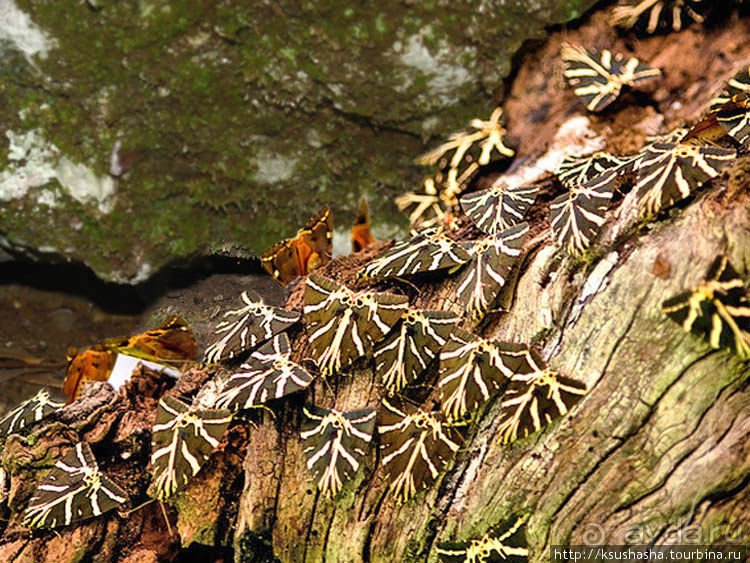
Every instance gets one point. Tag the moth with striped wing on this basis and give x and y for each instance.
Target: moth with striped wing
(651, 15)
(427, 207)
(335, 443)
(670, 172)
(461, 157)
(247, 327)
(498, 208)
(28, 412)
(598, 77)
(268, 374)
(181, 442)
(734, 118)
(342, 325)
(415, 446)
(730, 119)
(409, 349)
(575, 170)
(485, 275)
(505, 544)
(429, 250)
(535, 396)
(309, 250)
(472, 369)
(73, 490)
(577, 216)
(738, 84)
(718, 309)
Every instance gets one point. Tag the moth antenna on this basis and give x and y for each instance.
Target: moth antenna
(328, 387)
(137, 508)
(166, 520)
(410, 284)
(268, 410)
(408, 400)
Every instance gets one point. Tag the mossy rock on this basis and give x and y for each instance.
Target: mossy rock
(141, 133)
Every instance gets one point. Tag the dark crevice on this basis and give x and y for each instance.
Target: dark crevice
(277, 494)
(652, 408)
(720, 496)
(621, 338)
(327, 536)
(360, 120)
(367, 545)
(367, 486)
(310, 524)
(646, 422)
(78, 279)
(584, 478)
(452, 491)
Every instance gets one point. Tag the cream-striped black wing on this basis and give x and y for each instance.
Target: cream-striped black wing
(652, 15)
(471, 371)
(427, 251)
(597, 77)
(335, 443)
(535, 398)
(503, 544)
(577, 216)
(415, 446)
(718, 309)
(73, 490)
(738, 84)
(425, 208)
(181, 442)
(463, 155)
(734, 118)
(342, 325)
(485, 275)
(670, 172)
(409, 349)
(268, 374)
(498, 208)
(577, 170)
(247, 327)
(28, 412)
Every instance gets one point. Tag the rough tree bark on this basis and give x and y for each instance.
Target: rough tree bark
(658, 449)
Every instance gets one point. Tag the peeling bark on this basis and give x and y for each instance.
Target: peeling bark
(658, 448)
(659, 444)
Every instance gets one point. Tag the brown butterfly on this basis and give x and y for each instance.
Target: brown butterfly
(361, 235)
(170, 344)
(310, 249)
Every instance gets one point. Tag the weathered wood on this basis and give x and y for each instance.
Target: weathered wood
(659, 441)
(659, 446)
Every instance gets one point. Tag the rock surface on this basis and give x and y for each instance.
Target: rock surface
(140, 134)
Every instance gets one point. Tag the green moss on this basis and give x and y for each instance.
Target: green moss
(196, 92)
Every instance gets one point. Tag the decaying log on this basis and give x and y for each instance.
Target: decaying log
(658, 447)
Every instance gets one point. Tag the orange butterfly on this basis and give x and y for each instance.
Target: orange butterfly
(309, 250)
(170, 344)
(361, 235)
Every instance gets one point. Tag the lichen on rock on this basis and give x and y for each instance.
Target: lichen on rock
(165, 131)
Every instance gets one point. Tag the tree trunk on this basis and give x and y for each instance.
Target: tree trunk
(657, 448)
